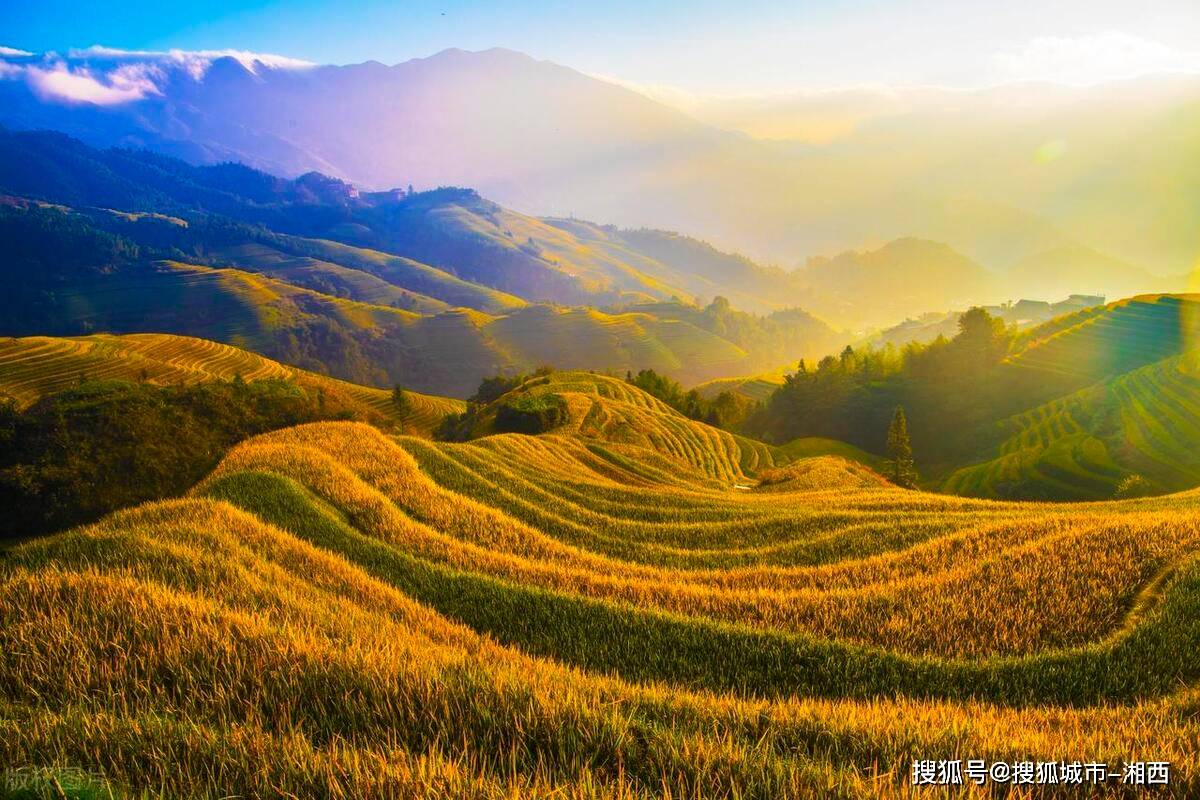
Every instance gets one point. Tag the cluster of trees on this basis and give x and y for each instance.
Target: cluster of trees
(953, 390)
(531, 414)
(518, 415)
(727, 410)
(497, 386)
(75, 456)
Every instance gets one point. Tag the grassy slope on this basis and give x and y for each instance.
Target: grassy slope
(36, 366)
(755, 387)
(1146, 421)
(444, 353)
(339, 612)
(328, 278)
(409, 274)
(608, 410)
(1125, 376)
(1081, 348)
(812, 446)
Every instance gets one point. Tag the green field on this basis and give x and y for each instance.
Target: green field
(1144, 422)
(1090, 345)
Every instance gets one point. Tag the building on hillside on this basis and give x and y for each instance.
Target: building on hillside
(1077, 302)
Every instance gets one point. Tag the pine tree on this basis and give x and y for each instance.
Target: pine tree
(900, 468)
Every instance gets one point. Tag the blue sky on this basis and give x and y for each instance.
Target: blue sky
(702, 46)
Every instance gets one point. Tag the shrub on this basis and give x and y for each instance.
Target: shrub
(531, 414)
(1134, 486)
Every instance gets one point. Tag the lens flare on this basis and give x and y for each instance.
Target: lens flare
(1050, 151)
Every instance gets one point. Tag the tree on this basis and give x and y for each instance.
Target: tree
(900, 468)
(401, 401)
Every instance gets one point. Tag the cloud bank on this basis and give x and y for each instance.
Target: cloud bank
(106, 76)
(1084, 60)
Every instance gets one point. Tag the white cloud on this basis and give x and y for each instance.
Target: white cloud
(191, 59)
(106, 76)
(1084, 60)
(62, 83)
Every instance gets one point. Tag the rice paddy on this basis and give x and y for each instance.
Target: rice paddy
(620, 609)
(1144, 422)
(36, 366)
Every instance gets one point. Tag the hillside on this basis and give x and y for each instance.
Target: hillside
(691, 264)
(33, 367)
(599, 408)
(346, 311)
(886, 285)
(263, 274)
(1078, 349)
(575, 609)
(448, 244)
(1145, 422)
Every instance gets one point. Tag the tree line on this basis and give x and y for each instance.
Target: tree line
(952, 392)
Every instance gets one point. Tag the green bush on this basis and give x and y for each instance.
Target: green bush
(1134, 486)
(531, 414)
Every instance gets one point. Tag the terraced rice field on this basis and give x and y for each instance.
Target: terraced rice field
(620, 416)
(36, 366)
(1146, 421)
(336, 612)
(758, 388)
(1120, 337)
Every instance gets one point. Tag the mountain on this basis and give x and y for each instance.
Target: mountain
(1078, 269)
(416, 122)
(450, 245)
(998, 173)
(351, 312)
(883, 286)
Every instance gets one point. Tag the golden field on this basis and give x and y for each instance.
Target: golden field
(607, 611)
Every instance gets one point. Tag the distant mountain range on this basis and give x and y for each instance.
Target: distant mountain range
(434, 290)
(1001, 175)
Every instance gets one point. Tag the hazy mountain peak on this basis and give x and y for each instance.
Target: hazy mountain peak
(547, 139)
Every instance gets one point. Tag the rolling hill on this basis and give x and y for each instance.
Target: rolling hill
(338, 611)
(1144, 422)
(33, 367)
(1078, 349)
(885, 285)
(1119, 385)
(757, 388)
(610, 410)
(447, 353)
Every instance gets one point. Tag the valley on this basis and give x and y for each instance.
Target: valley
(473, 426)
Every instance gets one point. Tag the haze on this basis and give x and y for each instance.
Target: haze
(705, 47)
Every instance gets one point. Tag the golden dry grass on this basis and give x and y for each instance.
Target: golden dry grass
(36, 366)
(340, 613)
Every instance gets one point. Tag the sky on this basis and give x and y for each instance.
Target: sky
(705, 47)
